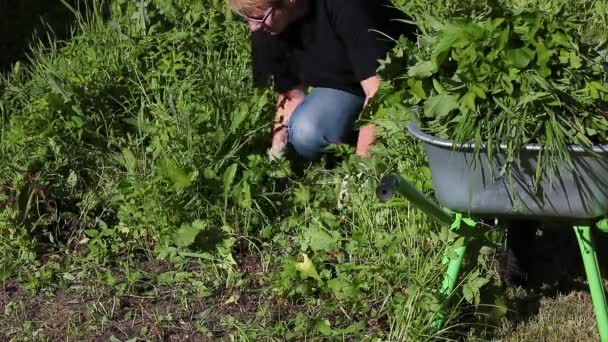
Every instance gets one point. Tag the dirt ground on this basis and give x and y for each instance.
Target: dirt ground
(95, 312)
(554, 305)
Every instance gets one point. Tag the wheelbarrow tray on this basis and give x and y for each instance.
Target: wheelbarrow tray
(466, 184)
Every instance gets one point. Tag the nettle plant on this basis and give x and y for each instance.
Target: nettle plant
(516, 77)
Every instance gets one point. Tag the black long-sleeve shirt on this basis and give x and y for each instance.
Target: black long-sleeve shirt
(336, 45)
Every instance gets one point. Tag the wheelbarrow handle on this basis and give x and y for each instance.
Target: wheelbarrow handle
(387, 188)
(394, 183)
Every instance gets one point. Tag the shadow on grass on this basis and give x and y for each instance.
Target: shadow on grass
(550, 257)
(23, 21)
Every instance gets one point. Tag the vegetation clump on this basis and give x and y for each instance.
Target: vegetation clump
(508, 77)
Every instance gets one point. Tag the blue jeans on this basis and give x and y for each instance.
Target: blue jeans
(325, 117)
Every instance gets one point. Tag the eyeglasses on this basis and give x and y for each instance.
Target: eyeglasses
(259, 20)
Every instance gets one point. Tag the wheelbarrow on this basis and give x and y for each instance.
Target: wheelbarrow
(471, 189)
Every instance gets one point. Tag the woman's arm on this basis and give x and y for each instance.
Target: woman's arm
(370, 87)
(367, 133)
(357, 22)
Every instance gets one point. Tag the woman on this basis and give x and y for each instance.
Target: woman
(329, 46)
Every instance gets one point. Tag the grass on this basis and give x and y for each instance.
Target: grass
(137, 201)
(567, 317)
(143, 141)
(172, 314)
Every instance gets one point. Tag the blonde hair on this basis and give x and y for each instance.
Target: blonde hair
(250, 7)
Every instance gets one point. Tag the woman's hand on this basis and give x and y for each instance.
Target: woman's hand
(286, 103)
(367, 133)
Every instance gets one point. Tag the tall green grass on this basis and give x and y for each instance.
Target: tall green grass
(142, 138)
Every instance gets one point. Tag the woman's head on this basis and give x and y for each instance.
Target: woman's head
(269, 15)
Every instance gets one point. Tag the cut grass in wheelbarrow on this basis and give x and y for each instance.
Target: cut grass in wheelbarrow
(469, 190)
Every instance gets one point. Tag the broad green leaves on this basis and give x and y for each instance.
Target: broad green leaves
(179, 178)
(514, 76)
(441, 105)
(471, 289)
(543, 58)
(187, 234)
(343, 289)
(597, 90)
(318, 239)
(423, 69)
(520, 57)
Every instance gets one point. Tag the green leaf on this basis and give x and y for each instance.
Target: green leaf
(503, 39)
(468, 293)
(182, 180)
(422, 69)
(496, 22)
(468, 100)
(478, 283)
(469, 222)
(324, 328)
(564, 56)
(499, 309)
(417, 88)
(599, 86)
(6, 270)
(92, 233)
(169, 169)
(597, 90)
(438, 87)
(229, 175)
(343, 289)
(129, 160)
(355, 328)
(67, 276)
(187, 234)
(456, 35)
(245, 196)
(520, 58)
(441, 105)
(166, 278)
(560, 39)
(200, 225)
(57, 85)
(575, 61)
(479, 90)
(238, 116)
(543, 55)
(307, 268)
(319, 240)
(302, 195)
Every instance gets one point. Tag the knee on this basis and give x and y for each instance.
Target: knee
(306, 138)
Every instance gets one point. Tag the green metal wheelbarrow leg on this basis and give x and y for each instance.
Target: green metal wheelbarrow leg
(450, 279)
(594, 277)
(451, 275)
